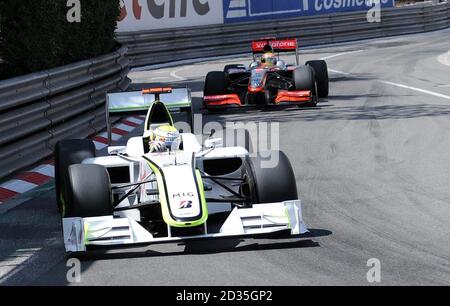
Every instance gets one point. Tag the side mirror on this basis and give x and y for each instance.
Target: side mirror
(116, 150)
(213, 132)
(213, 143)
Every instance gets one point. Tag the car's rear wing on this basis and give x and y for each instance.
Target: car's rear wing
(140, 101)
(276, 45)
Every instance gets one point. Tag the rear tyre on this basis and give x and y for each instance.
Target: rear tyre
(88, 192)
(321, 74)
(269, 184)
(69, 152)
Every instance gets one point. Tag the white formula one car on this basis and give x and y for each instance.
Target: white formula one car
(134, 197)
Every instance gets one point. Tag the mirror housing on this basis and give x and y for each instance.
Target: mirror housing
(213, 143)
(213, 132)
(116, 150)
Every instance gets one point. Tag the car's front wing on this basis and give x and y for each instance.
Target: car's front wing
(79, 233)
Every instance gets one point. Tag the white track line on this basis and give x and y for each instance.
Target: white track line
(248, 54)
(339, 72)
(436, 94)
(174, 75)
(444, 59)
(428, 92)
(190, 62)
(340, 54)
(159, 78)
(15, 261)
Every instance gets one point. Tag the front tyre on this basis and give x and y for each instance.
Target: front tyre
(304, 79)
(88, 192)
(321, 74)
(215, 83)
(67, 153)
(266, 183)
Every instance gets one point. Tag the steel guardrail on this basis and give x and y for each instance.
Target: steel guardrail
(160, 46)
(39, 109)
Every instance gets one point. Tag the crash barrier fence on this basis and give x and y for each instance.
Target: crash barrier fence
(38, 109)
(161, 46)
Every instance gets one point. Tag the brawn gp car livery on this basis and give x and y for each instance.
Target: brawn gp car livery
(134, 196)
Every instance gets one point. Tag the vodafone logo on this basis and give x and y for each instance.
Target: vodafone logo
(259, 45)
(284, 45)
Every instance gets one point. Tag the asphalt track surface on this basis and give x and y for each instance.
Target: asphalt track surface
(372, 165)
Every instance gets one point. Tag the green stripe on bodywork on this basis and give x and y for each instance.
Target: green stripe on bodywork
(162, 195)
(286, 211)
(203, 203)
(146, 126)
(86, 233)
(63, 203)
(165, 203)
(140, 108)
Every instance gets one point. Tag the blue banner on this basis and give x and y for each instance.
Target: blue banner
(252, 10)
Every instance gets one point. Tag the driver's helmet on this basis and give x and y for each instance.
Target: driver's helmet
(269, 59)
(166, 136)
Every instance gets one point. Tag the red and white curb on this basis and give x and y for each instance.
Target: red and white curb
(42, 174)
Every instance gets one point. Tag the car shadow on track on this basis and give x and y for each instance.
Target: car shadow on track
(351, 78)
(350, 113)
(198, 248)
(202, 247)
(241, 114)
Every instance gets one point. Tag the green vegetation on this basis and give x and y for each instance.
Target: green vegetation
(35, 34)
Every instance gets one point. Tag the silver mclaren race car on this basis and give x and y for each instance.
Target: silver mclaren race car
(169, 187)
(268, 81)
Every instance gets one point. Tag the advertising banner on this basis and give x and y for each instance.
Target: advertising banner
(253, 10)
(139, 15)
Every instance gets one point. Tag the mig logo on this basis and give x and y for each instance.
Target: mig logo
(185, 204)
